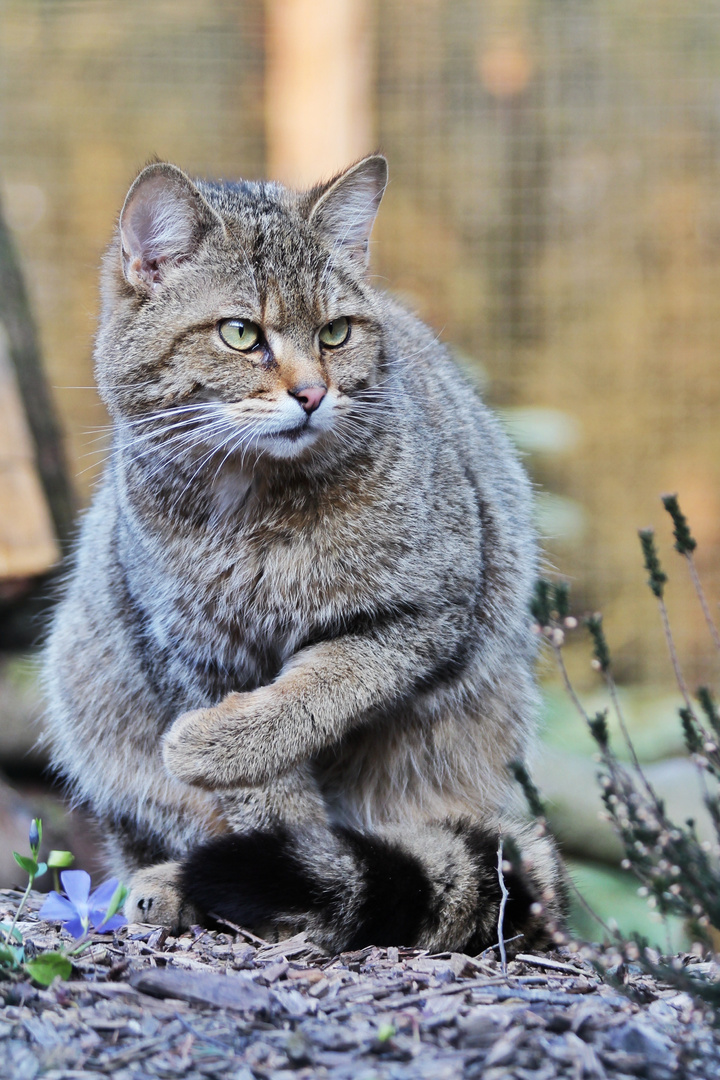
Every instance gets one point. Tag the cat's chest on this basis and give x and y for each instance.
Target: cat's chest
(275, 573)
(226, 607)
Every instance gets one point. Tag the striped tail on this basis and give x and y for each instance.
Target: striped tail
(435, 887)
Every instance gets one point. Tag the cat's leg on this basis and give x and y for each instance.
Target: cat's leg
(320, 695)
(143, 844)
(292, 801)
(289, 801)
(434, 886)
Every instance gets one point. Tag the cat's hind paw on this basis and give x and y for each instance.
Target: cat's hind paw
(155, 898)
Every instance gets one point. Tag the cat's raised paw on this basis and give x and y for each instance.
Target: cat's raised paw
(193, 750)
(225, 746)
(154, 898)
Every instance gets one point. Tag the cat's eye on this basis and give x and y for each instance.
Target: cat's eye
(335, 333)
(240, 334)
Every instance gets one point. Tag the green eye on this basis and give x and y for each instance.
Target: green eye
(240, 334)
(335, 333)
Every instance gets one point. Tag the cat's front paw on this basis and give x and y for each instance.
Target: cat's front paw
(222, 747)
(155, 898)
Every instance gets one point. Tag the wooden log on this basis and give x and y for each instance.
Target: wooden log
(23, 354)
(37, 506)
(27, 539)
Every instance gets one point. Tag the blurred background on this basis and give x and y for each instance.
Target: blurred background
(554, 213)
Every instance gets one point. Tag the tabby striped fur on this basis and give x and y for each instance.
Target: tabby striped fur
(294, 655)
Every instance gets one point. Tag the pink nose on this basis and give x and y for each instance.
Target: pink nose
(309, 397)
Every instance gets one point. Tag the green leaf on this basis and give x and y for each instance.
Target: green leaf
(42, 867)
(10, 956)
(26, 863)
(58, 860)
(6, 926)
(117, 901)
(48, 966)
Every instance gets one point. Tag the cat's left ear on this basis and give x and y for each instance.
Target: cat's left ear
(344, 210)
(162, 223)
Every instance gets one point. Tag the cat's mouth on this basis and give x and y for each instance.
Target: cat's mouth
(293, 433)
(291, 441)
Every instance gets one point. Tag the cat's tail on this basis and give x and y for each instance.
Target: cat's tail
(436, 886)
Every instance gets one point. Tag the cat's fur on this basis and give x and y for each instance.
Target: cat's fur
(294, 657)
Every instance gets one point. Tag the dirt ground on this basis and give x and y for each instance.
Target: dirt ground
(143, 1003)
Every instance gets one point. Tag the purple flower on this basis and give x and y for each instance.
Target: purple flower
(79, 910)
(34, 837)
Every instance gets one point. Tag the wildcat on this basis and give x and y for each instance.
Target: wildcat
(294, 656)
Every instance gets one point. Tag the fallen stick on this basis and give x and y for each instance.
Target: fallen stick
(553, 965)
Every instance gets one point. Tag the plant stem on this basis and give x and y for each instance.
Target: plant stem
(501, 913)
(612, 690)
(21, 905)
(703, 600)
(679, 677)
(568, 685)
(612, 934)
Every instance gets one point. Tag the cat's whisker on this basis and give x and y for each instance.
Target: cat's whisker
(372, 406)
(155, 445)
(185, 442)
(154, 418)
(405, 359)
(138, 439)
(182, 427)
(236, 430)
(238, 445)
(89, 468)
(161, 414)
(234, 447)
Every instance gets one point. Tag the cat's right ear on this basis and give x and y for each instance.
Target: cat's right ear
(345, 209)
(162, 223)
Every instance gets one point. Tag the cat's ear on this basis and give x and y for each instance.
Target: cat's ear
(345, 209)
(162, 223)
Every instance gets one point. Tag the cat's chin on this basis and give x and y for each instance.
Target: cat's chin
(289, 444)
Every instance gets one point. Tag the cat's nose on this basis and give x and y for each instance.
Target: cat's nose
(309, 396)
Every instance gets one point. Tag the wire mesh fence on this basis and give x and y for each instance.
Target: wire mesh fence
(554, 212)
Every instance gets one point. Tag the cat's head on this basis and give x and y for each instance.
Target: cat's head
(237, 318)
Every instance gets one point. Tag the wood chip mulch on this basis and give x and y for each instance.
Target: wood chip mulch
(142, 1003)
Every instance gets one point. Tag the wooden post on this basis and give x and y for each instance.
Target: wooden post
(318, 87)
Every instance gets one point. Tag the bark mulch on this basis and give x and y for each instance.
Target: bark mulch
(143, 1003)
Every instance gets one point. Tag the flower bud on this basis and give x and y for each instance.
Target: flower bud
(34, 836)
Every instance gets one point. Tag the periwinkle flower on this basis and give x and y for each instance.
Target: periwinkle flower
(79, 910)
